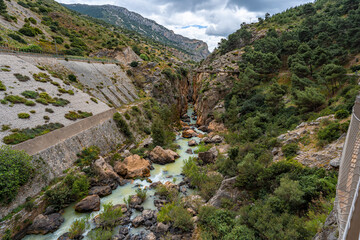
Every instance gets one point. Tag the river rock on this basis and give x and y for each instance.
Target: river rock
(189, 133)
(135, 201)
(150, 236)
(161, 156)
(148, 214)
(189, 151)
(105, 170)
(214, 139)
(124, 230)
(138, 221)
(192, 143)
(101, 191)
(203, 128)
(133, 166)
(208, 156)
(193, 202)
(335, 162)
(65, 236)
(161, 227)
(88, 204)
(44, 224)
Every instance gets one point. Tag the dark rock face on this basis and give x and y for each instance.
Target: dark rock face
(189, 151)
(330, 228)
(101, 191)
(203, 128)
(44, 224)
(88, 204)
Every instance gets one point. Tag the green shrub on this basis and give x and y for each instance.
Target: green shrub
(17, 38)
(144, 57)
(94, 100)
(122, 125)
(72, 78)
(217, 222)
(2, 86)
(30, 94)
(30, 103)
(15, 171)
(32, 48)
(49, 110)
(60, 102)
(290, 150)
(110, 216)
(171, 194)
(42, 101)
(341, 114)
(47, 118)
(27, 133)
(330, 132)
(127, 116)
(100, 234)
(87, 156)
(15, 99)
(77, 228)
(141, 193)
(158, 133)
(23, 115)
(21, 78)
(176, 214)
(41, 77)
(77, 115)
(134, 64)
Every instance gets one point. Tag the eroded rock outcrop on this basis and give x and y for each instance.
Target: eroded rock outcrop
(105, 170)
(101, 191)
(160, 156)
(133, 166)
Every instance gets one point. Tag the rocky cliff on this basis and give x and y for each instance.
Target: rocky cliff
(122, 17)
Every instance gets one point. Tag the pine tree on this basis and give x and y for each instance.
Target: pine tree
(2, 7)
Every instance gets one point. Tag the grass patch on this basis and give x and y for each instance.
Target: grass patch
(23, 115)
(41, 77)
(71, 115)
(2, 86)
(21, 78)
(29, 133)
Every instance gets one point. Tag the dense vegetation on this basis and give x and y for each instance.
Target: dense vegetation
(15, 170)
(294, 73)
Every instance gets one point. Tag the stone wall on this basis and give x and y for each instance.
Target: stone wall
(56, 151)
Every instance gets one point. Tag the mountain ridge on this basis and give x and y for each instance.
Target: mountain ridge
(130, 20)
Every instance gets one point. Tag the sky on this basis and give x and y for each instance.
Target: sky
(207, 20)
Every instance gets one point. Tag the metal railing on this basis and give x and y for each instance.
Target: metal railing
(29, 52)
(349, 175)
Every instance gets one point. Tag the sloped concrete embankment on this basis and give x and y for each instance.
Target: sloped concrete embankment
(56, 151)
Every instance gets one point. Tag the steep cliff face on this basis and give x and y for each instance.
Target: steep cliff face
(122, 17)
(212, 81)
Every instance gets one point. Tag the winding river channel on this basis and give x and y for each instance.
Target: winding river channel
(163, 173)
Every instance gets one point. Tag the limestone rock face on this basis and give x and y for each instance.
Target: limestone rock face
(133, 166)
(88, 204)
(226, 190)
(101, 191)
(160, 156)
(44, 224)
(216, 127)
(105, 170)
(214, 139)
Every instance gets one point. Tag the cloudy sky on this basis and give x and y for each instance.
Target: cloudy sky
(208, 20)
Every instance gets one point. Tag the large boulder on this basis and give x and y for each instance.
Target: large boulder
(88, 204)
(133, 166)
(101, 191)
(44, 224)
(214, 139)
(105, 170)
(138, 221)
(160, 156)
(192, 143)
(208, 156)
(189, 133)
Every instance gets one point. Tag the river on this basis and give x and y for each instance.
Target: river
(163, 173)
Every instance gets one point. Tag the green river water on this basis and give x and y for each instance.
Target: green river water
(162, 173)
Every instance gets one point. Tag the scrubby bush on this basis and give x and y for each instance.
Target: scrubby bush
(134, 64)
(29, 133)
(100, 234)
(2, 86)
(41, 77)
(30, 94)
(176, 214)
(330, 132)
(16, 170)
(77, 228)
(30, 103)
(23, 115)
(21, 78)
(290, 149)
(15, 99)
(141, 193)
(341, 114)
(77, 115)
(17, 38)
(72, 78)
(87, 156)
(122, 125)
(110, 216)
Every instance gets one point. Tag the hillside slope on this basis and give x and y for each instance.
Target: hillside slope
(122, 17)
